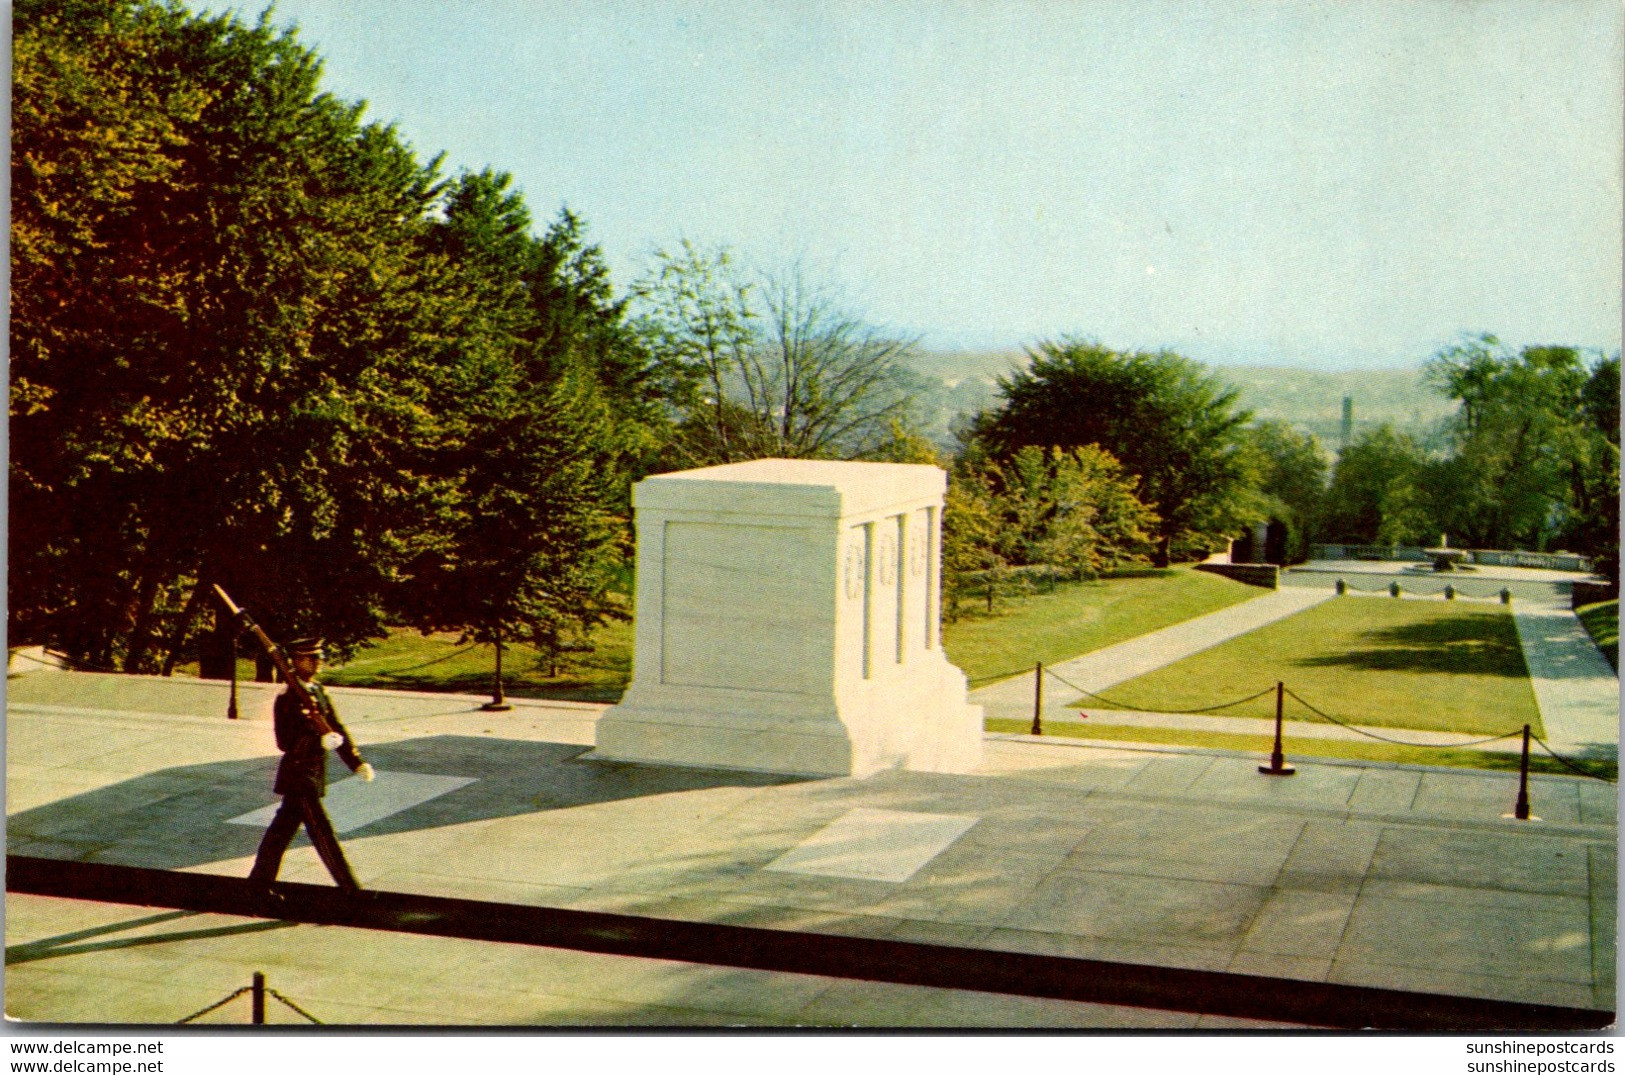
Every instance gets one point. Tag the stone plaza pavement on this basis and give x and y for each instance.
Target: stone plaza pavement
(1400, 877)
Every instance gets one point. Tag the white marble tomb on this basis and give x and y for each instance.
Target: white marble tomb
(788, 620)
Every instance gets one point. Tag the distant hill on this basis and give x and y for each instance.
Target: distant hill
(1312, 400)
(963, 382)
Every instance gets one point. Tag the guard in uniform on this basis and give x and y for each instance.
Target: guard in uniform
(301, 778)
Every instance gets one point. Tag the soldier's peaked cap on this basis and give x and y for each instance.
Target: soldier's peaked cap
(305, 647)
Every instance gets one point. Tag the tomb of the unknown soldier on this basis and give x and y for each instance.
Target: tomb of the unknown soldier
(788, 620)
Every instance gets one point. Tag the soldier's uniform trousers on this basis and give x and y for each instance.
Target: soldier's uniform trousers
(301, 808)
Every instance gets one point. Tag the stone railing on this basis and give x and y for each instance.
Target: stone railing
(1551, 561)
(1367, 552)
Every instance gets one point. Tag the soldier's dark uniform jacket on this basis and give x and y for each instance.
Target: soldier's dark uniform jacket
(304, 759)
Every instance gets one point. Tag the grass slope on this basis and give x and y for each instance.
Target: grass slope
(407, 660)
(1437, 665)
(1083, 616)
(1602, 620)
(1076, 618)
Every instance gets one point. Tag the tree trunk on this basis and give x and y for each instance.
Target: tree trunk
(1164, 555)
(214, 656)
(177, 637)
(146, 594)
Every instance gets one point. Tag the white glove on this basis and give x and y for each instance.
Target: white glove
(365, 772)
(331, 740)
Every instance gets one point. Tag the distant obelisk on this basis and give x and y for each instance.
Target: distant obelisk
(1348, 422)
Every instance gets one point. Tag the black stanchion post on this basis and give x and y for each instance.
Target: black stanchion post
(1520, 812)
(1038, 698)
(1278, 765)
(498, 703)
(259, 998)
(231, 706)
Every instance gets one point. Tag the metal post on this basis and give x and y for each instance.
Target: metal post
(259, 998)
(497, 704)
(1278, 765)
(231, 706)
(1038, 698)
(1521, 811)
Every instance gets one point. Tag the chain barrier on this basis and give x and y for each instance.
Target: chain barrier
(273, 993)
(1117, 704)
(1466, 593)
(1177, 712)
(258, 1013)
(1569, 765)
(217, 1004)
(1399, 742)
(998, 676)
(81, 666)
(434, 660)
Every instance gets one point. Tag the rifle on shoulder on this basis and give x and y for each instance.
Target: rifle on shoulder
(307, 701)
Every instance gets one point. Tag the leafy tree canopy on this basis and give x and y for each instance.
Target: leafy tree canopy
(1379, 492)
(1530, 430)
(1165, 418)
(1291, 473)
(255, 341)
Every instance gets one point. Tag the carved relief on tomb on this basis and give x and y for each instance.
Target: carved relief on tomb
(918, 553)
(853, 567)
(887, 557)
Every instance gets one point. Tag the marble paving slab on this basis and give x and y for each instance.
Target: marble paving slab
(353, 803)
(874, 845)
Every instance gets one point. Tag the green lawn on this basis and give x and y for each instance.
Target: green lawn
(1436, 665)
(1298, 747)
(410, 661)
(1076, 618)
(1602, 620)
(1083, 616)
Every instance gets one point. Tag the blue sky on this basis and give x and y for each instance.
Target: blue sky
(1309, 183)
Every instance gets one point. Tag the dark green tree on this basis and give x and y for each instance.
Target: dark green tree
(1163, 417)
(1517, 443)
(218, 341)
(536, 510)
(255, 342)
(1593, 524)
(535, 545)
(1379, 492)
(1291, 474)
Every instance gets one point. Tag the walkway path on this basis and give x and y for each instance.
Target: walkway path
(1575, 687)
(1105, 667)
